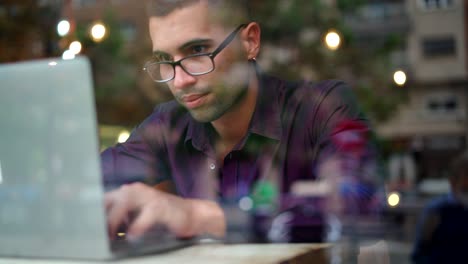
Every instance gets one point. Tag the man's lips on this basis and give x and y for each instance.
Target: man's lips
(194, 100)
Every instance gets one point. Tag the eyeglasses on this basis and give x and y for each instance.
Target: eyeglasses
(195, 65)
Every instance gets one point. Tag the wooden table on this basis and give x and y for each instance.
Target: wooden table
(215, 253)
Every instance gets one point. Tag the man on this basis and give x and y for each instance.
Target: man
(230, 130)
(443, 230)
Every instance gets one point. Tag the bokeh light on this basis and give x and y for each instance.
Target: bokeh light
(63, 27)
(75, 47)
(98, 32)
(332, 40)
(393, 199)
(246, 203)
(399, 77)
(123, 136)
(68, 55)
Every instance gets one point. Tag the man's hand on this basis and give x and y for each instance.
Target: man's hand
(142, 207)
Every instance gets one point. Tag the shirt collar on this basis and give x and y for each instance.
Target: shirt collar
(266, 120)
(200, 134)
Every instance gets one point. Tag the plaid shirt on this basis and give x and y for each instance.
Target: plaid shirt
(295, 129)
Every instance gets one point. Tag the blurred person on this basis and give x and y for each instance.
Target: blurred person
(233, 132)
(402, 172)
(402, 169)
(442, 235)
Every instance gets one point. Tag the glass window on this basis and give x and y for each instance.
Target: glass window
(429, 5)
(442, 105)
(440, 46)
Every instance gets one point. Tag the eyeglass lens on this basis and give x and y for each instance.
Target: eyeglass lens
(195, 65)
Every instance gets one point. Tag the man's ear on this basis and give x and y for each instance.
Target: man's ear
(251, 39)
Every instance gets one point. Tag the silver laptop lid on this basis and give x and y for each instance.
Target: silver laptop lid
(50, 182)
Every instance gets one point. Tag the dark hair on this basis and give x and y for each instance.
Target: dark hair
(459, 166)
(164, 7)
(236, 11)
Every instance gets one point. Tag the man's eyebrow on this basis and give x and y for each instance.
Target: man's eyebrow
(161, 54)
(194, 42)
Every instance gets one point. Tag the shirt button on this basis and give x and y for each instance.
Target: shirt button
(212, 166)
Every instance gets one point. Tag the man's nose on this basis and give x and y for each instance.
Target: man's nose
(182, 79)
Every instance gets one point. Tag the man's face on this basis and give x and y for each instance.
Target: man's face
(191, 30)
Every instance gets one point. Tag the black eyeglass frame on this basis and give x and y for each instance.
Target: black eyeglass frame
(211, 55)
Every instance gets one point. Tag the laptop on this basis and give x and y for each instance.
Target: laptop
(51, 191)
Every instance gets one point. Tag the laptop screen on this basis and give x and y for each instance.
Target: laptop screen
(50, 188)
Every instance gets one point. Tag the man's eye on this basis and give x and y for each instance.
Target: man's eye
(198, 49)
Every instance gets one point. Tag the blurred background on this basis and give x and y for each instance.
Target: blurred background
(405, 59)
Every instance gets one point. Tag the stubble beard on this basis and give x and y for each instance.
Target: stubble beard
(221, 104)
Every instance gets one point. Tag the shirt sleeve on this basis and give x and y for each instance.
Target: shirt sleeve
(140, 159)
